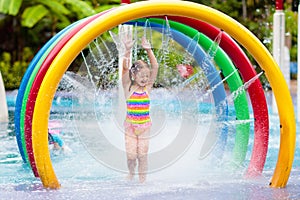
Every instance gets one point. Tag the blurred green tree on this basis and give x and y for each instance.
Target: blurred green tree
(26, 25)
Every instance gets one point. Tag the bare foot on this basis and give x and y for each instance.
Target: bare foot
(130, 176)
(142, 178)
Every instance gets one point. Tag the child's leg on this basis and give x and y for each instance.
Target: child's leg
(143, 147)
(131, 152)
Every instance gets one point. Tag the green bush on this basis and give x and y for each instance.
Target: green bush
(13, 71)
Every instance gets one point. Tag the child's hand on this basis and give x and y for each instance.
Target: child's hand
(128, 42)
(145, 43)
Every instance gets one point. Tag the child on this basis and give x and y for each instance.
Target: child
(137, 82)
(55, 139)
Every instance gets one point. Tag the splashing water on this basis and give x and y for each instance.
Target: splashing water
(83, 176)
(245, 86)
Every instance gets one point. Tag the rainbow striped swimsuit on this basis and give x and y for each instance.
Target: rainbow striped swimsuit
(138, 107)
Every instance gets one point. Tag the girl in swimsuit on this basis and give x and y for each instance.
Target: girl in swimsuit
(137, 82)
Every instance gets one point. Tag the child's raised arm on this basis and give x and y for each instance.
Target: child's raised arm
(153, 61)
(128, 44)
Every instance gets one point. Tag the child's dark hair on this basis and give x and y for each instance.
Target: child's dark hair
(136, 66)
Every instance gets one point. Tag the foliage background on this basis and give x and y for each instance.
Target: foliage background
(26, 25)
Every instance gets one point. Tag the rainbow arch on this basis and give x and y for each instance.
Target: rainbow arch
(143, 9)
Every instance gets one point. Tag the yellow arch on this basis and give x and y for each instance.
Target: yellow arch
(149, 8)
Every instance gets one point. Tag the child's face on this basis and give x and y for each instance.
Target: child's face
(142, 77)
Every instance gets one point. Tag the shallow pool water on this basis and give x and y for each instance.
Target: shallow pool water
(83, 176)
